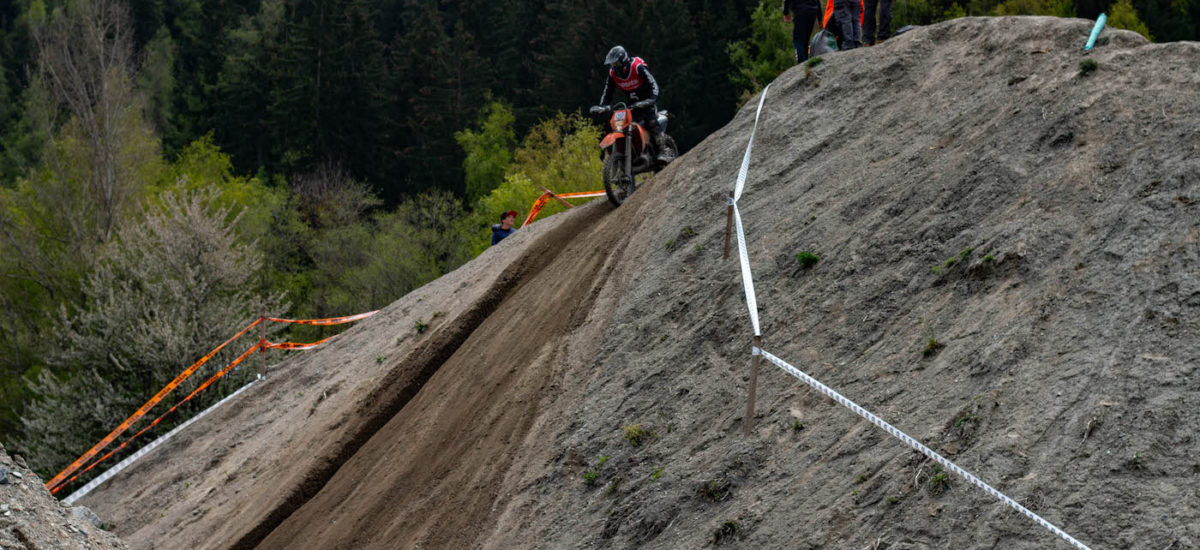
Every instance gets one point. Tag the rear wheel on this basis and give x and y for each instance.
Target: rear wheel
(617, 184)
(671, 147)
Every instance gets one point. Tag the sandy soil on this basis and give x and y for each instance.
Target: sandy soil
(1069, 317)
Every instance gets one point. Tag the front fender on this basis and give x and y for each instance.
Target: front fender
(610, 139)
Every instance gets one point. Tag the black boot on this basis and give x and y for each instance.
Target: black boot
(665, 154)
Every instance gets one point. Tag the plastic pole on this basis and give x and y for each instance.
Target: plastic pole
(1096, 32)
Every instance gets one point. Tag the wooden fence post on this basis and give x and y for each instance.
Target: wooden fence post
(749, 422)
(262, 342)
(728, 224)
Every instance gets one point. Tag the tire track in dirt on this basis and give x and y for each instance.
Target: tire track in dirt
(406, 380)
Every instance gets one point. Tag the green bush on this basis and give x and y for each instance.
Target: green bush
(1122, 15)
(807, 259)
(559, 154)
(489, 150)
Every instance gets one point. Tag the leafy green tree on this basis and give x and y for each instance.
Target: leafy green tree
(758, 59)
(489, 150)
(559, 154)
(1123, 15)
(1056, 8)
(161, 294)
(368, 264)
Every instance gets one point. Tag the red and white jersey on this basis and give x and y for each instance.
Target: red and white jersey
(633, 80)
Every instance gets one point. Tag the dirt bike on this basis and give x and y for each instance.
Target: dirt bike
(629, 149)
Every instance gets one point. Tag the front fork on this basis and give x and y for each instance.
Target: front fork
(628, 155)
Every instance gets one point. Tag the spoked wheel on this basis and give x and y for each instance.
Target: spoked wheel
(617, 184)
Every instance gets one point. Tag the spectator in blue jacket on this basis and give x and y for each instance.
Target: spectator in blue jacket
(505, 227)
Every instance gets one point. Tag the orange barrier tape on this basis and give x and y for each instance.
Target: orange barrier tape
(324, 322)
(537, 207)
(137, 415)
(581, 194)
(295, 345)
(206, 384)
(545, 198)
(57, 482)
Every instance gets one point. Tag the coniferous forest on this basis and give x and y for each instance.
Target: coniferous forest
(171, 168)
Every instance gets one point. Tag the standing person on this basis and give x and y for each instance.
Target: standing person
(632, 76)
(805, 14)
(505, 227)
(884, 14)
(844, 19)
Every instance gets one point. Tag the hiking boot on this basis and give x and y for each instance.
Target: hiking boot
(664, 153)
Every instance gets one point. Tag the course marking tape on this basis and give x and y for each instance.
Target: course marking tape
(108, 474)
(747, 278)
(59, 481)
(537, 207)
(580, 194)
(295, 345)
(55, 482)
(200, 388)
(918, 446)
(741, 178)
(325, 322)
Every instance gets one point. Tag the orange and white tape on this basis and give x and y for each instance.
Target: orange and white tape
(206, 384)
(56, 481)
(325, 322)
(69, 474)
(545, 198)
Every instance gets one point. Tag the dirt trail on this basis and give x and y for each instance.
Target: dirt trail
(431, 477)
(962, 182)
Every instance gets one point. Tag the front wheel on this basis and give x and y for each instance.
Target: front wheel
(618, 185)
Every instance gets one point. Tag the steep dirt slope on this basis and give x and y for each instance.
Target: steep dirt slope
(235, 474)
(1069, 320)
(1069, 316)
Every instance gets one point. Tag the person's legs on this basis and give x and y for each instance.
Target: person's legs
(802, 27)
(869, 22)
(649, 119)
(855, 25)
(885, 19)
(845, 25)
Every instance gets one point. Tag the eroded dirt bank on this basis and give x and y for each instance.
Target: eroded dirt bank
(1059, 210)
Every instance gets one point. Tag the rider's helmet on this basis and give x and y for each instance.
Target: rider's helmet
(618, 60)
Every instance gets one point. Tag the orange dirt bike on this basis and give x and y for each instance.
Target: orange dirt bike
(629, 149)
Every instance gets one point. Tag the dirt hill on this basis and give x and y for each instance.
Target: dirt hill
(962, 183)
(32, 519)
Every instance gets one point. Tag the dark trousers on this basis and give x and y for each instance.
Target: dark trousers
(648, 118)
(884, 13)
(802, 27)
(844, 23)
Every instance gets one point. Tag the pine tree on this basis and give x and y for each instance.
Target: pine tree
(436, 78)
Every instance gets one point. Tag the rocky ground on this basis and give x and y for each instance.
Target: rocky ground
(1009, 271)
(32, 519)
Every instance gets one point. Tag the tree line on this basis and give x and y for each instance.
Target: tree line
(171, 168)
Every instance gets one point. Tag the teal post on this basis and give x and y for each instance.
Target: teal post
(1096, 32)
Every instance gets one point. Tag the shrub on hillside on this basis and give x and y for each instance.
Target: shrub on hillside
(559, 154)
(162, 294)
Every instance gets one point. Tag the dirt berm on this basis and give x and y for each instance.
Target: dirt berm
(962, 183)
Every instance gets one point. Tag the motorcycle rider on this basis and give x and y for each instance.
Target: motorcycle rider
(631, 75)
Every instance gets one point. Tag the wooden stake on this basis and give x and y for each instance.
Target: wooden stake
(262, 340)
(749, 423)
(558, 198)
(728, 224)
